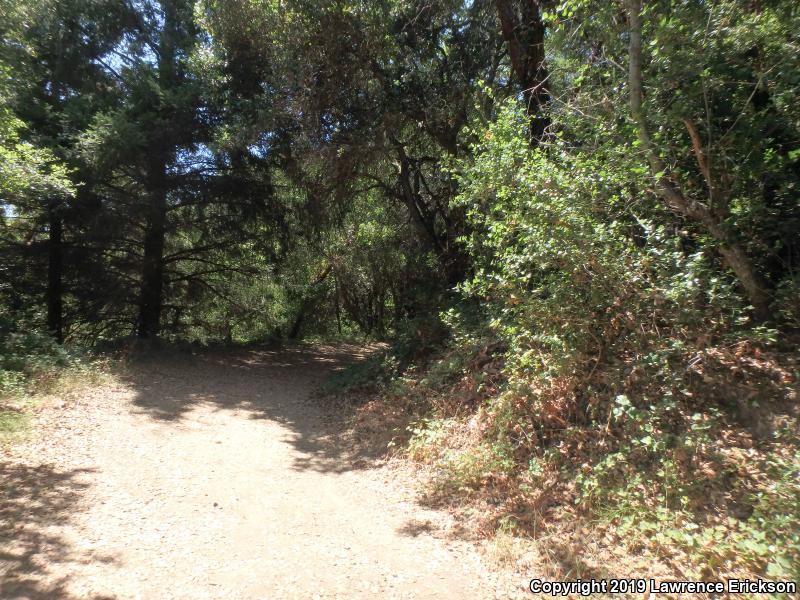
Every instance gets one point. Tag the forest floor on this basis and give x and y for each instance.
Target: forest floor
(222, 475)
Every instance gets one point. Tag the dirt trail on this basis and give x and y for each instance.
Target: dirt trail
(218, 476)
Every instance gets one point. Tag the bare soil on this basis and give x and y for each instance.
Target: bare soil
(221, 475)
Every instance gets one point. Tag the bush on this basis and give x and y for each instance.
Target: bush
(613, 372)
(28, 356)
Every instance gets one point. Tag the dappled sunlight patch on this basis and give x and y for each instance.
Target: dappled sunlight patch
(36, 501)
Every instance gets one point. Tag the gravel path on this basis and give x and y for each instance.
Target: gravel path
(218, 476)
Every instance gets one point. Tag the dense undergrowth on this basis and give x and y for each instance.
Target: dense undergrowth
(598, 382)
(682, 462)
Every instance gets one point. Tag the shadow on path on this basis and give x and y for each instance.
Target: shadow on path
(32, 501)
(276, 385)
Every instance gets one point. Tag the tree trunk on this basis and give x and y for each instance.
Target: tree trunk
(294, 332)
(55, 266)
(307, 303)
(424, 218)
(338, 305)
(151, 301)
(523, 31)
(732, 251)
(153, 263)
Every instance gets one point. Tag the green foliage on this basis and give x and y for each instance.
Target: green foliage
(607, 303)
(25, 169)
(765, 542)
(770, 535)
(464, 471)
(12, 422)
(361, 375)
(568, 262)
(27, 355)
(32, 364)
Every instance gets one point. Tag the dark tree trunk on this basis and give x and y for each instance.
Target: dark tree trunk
(294, 332)
(308, 302)
(338, 305)
(55, 267)
(162, 149)
(150, 302)
(424, 216)
(523, 31)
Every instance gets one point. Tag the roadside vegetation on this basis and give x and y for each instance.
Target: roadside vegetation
(563, 472)
(33, 367)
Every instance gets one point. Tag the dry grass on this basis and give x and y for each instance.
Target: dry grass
(19, 408)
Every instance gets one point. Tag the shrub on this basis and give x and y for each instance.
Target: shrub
(28, 356)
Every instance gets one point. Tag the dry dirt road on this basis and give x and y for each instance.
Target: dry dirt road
(219, 476)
